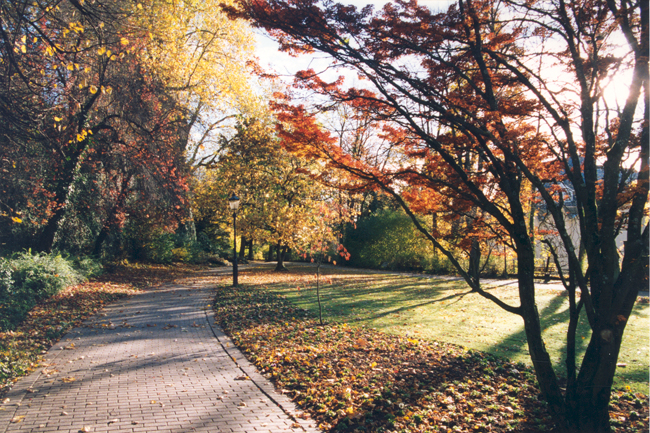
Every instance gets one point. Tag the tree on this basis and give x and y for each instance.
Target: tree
(106, 93)
(281, 204)
(206, 60)
(481, 128)
(76, 99)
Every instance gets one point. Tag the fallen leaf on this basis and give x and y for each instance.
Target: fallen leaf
(17, 419)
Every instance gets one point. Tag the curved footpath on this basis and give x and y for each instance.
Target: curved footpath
(154, 362)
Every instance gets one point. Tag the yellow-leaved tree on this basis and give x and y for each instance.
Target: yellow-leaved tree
(206, 60)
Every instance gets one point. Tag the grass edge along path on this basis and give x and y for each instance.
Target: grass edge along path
(358, 379)
(21, 350)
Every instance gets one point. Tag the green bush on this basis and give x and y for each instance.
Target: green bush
(26, 279)
(388, 240)
(159, 248)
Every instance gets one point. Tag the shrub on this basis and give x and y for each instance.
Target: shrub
(159, 248)
(388, 239)
(26, 279)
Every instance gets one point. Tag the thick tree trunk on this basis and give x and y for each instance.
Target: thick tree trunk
(281, 252)
(242, 248)
(45, 241)
(101, 237)
(593, 385)
(269, 256)
(250, 250)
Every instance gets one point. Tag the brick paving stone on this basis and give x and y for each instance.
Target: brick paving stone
(154, 362)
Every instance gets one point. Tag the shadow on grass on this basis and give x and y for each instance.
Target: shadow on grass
(383, 294)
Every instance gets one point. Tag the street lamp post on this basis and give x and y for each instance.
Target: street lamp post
(233, 201)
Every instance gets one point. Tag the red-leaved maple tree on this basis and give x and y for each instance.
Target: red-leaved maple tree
(487, 108)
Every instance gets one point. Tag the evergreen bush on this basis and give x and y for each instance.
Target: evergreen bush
(26, 279)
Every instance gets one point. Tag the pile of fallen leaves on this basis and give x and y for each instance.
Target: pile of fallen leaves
(144, 275)
(357, 379)
(21, 349)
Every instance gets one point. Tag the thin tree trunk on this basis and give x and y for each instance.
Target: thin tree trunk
(546, 377)
(320, 306)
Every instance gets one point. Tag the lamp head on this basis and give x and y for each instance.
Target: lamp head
(233, 201)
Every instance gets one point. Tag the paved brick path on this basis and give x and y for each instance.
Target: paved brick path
(152, 363)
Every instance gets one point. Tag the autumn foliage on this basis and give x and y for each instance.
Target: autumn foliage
(98, 100)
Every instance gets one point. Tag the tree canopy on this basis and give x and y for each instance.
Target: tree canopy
(99, 103)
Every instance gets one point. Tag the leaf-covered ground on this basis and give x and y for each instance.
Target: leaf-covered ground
(20, 350)
(358, 379)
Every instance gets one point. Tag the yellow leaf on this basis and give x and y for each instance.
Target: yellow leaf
(23, 49)
(101, 25)
(57, 119)
(101, 51)
(24, 38)
(93, 89)
(16, 220)
(139, 6)
(70, 67)
(124, 41)
(17, 419)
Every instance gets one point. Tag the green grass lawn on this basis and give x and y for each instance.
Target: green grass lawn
(440, 309)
